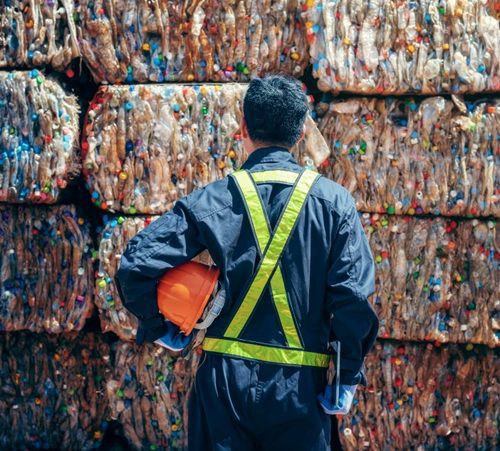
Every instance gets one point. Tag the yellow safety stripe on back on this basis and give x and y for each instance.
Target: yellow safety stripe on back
(263, 236)
(273, 252)
(264, 353)
(284, 310)
(288, 177)
(252, 199)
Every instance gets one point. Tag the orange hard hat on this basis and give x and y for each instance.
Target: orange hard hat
(184, 291)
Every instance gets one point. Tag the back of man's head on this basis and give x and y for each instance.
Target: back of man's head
(275, 109)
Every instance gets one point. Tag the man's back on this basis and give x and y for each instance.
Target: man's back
(297, 271)
(225, 229)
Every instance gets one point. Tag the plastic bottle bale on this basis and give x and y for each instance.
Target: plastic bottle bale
(38, 138)
(404, 156)
(146, 146)
(148, 392)
(53, 391)
(436, 279)
(422, 397)
(46, 269)
(36, 34)
(191, 41)
(426, 47)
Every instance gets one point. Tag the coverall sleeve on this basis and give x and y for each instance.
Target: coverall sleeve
(350, 281)
(169, 241)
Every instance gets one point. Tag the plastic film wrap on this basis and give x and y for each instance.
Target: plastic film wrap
(145, 146)
(436, 279)
(38, 137)
(53, 393)
(45, 268)
(192, 40)
(404, 156)
(36, 33)
(148, 392)
(427, 47)
(422, 397)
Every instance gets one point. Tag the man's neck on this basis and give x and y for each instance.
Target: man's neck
(260, 145)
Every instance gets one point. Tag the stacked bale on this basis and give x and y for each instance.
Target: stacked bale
(140, 41)
(148, 393)
(406, 156)
(396, 47)
(39, 138)
(53, 393)
(146, 146)
(33, 34)
(46, 279)
(117, 232)
(436, 279)
(423, 396)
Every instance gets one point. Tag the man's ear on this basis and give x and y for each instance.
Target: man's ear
(302, 134)
(243, 127)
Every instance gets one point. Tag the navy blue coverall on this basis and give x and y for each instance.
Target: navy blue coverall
(240, 404)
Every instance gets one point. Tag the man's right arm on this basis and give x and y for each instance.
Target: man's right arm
(350, 282)
(170, 241)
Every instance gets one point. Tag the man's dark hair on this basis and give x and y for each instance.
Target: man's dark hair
(275, 109)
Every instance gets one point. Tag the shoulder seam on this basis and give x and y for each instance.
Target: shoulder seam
(328, 201)
(211, 212)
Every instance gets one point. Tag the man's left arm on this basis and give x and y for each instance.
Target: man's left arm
(354, 321)
(171, 240)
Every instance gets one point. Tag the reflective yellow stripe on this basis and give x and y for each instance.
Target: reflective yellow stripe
(275, 176)
(252, 199)
(284, 311)
(270, 354)
(273, 252)
(263, 235)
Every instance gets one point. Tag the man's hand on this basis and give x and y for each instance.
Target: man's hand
(340, 407)
(174, 339)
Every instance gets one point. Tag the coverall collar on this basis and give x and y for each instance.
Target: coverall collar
(270, 154)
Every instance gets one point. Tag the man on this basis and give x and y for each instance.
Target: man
(297, 271)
